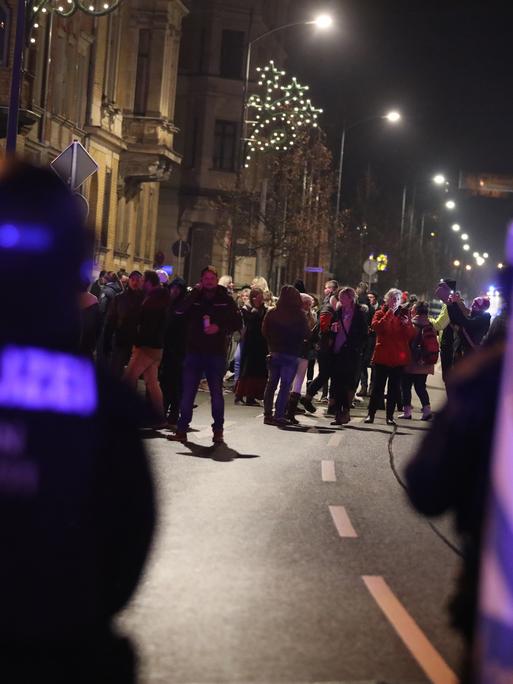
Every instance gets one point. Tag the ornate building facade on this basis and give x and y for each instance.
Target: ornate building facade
(109, 82)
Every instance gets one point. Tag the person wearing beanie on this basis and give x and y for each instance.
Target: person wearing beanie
(76, 494)
(472, 327)
(285, 328)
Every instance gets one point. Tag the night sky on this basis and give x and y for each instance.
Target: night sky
(447, 66)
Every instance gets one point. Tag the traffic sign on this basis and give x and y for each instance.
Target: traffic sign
(370, 266)
(180, 248)
(74, 165)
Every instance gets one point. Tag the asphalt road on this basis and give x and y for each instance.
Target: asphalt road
(293, 556)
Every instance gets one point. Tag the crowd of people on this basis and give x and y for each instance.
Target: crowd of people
(179, 339)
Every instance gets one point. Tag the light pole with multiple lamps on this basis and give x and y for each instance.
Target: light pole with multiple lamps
(26, 19)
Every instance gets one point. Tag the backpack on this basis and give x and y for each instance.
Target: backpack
(425, 347)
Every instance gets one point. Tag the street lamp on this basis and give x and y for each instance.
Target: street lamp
(456, 227)
(500, 265)
(485, 254)
(450, 204)
(464, 237)
(456, 263)
(480, 261)
(392, 117)
(323, 22)
(466, 247)
(439, 179)
(468, 267)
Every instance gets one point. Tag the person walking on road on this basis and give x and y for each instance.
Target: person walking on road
(394, 331)
(285, 329)
(211, 318)
(253, 359)
(306, 353)
(424, 354)
(173, 354)
(149, 342)
(121, 324)
(349, 330)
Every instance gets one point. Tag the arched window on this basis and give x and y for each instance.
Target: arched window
(4, 32)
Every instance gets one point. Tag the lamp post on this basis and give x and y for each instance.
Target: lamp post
(323, 22)
(27, 11)
(391, 117)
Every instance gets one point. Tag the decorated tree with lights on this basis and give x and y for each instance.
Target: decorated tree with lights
(286, 151)
(279, 114)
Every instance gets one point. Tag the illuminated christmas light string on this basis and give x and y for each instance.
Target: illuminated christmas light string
(66, 8)
(280, 112)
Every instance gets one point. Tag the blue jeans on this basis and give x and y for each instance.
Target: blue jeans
(195, 366)
(282, 369)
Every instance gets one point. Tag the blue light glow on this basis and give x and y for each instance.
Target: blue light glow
(24, 238)
(42, 380)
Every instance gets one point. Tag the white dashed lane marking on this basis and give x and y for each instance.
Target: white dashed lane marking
(413, 637)
(335, 440)
(328, 471)
(342, 522)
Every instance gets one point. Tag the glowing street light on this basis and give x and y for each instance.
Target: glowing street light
(393, 116)
(466, 247)
(456, 263)
(439, 179)
(323, 21)
(468, 267)
(480, 261)
(450, 204)
(486, 255)
(475, 255)
(464, 237)
(456, 227)
(500, 265)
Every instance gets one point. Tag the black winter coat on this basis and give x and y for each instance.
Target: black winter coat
(152, 319)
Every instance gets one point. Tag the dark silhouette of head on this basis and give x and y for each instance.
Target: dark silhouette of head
(43, 248)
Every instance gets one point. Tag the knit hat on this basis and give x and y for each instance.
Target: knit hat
(481, 304)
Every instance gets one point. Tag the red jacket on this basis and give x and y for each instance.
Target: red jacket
(393, 336)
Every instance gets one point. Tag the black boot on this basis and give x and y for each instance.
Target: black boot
(307, 403)
(292, 406)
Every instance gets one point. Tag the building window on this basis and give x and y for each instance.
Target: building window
(142, 80)
(110, 81)
(104, 233)
(232, 54)
(4, 33)
(225, 144)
